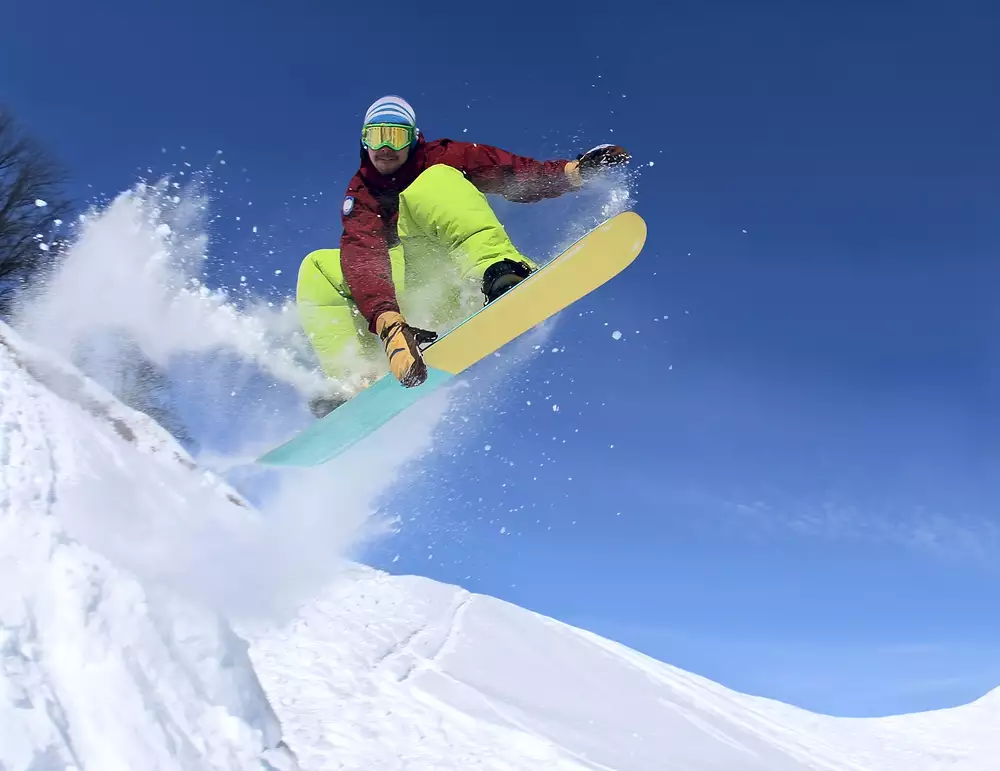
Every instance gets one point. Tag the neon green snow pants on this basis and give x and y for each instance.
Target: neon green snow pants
(449, 235)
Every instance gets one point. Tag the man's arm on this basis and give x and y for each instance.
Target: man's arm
(364, 257)
(515, 177)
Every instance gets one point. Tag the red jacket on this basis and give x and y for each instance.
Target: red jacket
(371, 207)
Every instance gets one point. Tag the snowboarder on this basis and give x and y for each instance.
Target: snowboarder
(430, 197)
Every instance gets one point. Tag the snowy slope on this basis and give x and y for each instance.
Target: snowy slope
(405, 673)
(97, 671)
(102, 668)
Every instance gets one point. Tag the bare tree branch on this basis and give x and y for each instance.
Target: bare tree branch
(32, 203)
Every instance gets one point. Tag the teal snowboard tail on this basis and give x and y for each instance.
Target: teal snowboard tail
(352, 421)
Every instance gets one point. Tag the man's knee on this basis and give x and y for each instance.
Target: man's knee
(440, 190)
(441, 174)
(321, 279)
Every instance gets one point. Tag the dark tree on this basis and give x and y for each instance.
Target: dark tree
(31, 203)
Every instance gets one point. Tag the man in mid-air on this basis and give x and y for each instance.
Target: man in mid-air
(413, 207)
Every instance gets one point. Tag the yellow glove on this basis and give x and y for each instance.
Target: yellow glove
(401, 342)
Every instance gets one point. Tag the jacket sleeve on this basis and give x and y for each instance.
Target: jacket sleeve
(364, 256)
(515, 177)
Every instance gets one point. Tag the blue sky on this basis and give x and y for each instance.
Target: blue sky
(801, 499)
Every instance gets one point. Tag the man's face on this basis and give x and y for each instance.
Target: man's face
(386, 160)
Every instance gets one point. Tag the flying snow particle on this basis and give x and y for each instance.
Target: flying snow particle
(652, 163)
(254, 228)
(277, 272)
(744, 230)
(488, 448)
(40, 203)
(616, 335)
(555, 408)
(503, 531)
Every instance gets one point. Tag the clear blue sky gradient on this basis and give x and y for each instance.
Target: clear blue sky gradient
(801, 499)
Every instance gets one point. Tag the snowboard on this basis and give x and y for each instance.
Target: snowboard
(591, 261)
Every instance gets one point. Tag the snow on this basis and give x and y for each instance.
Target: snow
(98, 671)
(420, 675)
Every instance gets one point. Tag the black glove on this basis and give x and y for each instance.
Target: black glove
(601, 157)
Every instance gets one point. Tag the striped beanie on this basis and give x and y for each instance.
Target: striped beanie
(391, 109)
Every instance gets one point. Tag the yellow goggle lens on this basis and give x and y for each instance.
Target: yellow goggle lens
(386, 135)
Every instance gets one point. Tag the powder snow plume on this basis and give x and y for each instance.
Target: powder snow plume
(134, 271)
(136, 266)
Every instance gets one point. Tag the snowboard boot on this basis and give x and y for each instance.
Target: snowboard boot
(502, 276)
(323, 404)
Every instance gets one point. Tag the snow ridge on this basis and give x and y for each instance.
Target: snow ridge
(96, 670)
(421, 675)
(421, 648)
(104, 667)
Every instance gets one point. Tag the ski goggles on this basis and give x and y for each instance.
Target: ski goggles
(376, 135)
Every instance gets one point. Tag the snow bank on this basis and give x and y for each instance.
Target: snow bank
(96, 670)
(405, 673)
(108, 660)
